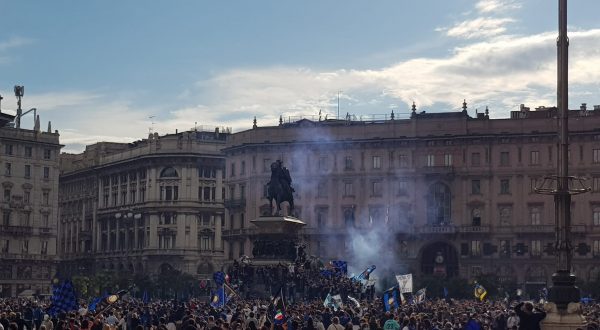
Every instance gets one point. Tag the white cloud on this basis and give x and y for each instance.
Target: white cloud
(482, 27)
(489, 6)
(11, 43)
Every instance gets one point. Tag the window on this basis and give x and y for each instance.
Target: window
(26, 196)
(44, 248)
(535, 215)
(596, 155)
(348, 163)
(376, 188)
(169, 193)
(47, 153)
(348, 188)
(205, 243)
(475, 159)
(321, 217)
(242, 192)
(596, 216)
(46, 172)
(536, 248)
(476, 187)
(533, 184)
(266, 165)
(476, 220)
(322, 164)
(28, 152)
(403, 160)
(505, 214)
(596, 184)
(322, 188)
(475, 248)
(6, 218)
(45, 198)
(430, 160)
(4, 246)
(504, 186)
(27, 171)
(376, 162)
(25, 246)
(45, 220)
(504, 248)
(534, 158)
(243, 168)
(402, 187)
(232, 173)
(504, 160)
(448, 160)
(7, 195)
(595, 248)
(8, 149)
(7, 169)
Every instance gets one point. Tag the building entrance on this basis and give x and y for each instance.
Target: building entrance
(439, 259)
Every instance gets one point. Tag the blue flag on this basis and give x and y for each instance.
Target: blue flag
(340, 267)
(219, 278)
(365, 274)
(219, 299)
(145, 298)
(390, 299)
(94, 303)
(63, 298)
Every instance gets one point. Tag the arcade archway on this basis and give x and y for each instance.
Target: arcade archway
(440, 259)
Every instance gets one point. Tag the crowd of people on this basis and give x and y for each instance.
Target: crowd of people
(299, 281)
(194, 314)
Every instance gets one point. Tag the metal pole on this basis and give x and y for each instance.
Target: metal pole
(563, 290)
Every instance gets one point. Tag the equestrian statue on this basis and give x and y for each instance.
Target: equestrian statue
(280, 187)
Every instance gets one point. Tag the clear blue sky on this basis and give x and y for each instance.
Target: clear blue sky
(100, 69)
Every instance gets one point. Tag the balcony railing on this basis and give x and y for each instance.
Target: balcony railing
(17, 230)
(474, 229)
(235, 203)
(437, 230)
(534, 229)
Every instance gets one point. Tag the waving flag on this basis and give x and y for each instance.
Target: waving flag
(219, 299)
(63, 298)
(420, 296)
(480, 292)
(219, 278)
(390, 299)
(339, 266)
(365, 274)
(405, 283)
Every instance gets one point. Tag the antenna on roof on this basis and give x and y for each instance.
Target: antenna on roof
(151, 128)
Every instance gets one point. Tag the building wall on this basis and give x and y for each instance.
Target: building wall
(29, 208)
(144, 206)
(446, 181)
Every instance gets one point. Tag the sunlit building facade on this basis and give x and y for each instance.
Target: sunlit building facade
(144, 207)
(29, 208)
(446, 194)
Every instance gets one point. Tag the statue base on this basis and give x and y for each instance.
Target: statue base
(277, 240)
(571, 318)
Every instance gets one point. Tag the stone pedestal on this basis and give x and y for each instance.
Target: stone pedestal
(276, 239)
(571, 318)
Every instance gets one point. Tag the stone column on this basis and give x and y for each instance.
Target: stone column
(153, 239)
(218, 231)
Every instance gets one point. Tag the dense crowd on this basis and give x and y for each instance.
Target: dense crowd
(299, 281)
(133, 314)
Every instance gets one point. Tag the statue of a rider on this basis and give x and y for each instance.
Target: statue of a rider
(280, 186)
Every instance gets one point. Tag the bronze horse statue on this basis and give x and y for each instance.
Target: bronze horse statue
(280, 187)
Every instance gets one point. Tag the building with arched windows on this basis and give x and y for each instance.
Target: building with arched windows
(436, 193)
(146, 207)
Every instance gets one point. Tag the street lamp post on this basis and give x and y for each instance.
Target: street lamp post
(562, 186)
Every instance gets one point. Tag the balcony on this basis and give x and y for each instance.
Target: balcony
(238, 232)
(235, 203)
(437, 230)
(437, 170)
(474, 229)
(544, 229)
(17, 230)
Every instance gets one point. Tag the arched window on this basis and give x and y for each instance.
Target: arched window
(438, 204)
(168, 172)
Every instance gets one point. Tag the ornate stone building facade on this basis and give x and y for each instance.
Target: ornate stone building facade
(144, 207)
(437, 184)
(29, 208)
